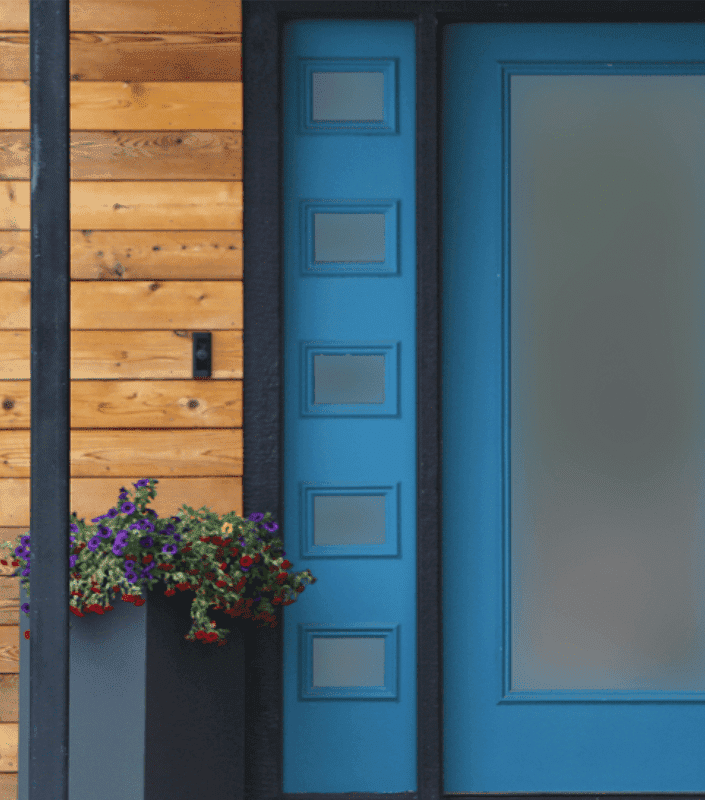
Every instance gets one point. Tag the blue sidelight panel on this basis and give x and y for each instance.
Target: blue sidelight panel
(350, 405)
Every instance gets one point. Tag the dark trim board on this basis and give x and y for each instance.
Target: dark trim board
(263, 363)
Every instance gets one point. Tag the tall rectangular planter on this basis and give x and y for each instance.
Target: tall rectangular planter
(151, 715)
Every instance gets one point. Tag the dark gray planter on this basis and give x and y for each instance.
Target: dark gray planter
(151, 715)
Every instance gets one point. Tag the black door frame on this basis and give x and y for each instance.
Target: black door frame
(263, 345)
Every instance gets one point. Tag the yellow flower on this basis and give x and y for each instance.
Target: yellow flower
(227, 528)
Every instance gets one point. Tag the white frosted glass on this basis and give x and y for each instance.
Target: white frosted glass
(352, 519)
(348, 661)
(348, 379)
(348, 96)
(607, 438)
(348, 237)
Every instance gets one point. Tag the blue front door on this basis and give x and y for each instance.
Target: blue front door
(573, 260)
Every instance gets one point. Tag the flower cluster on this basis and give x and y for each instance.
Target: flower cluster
(231, 563)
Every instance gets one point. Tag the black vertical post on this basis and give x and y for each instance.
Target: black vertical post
(50, 401)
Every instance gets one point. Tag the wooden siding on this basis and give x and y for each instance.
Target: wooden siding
(156, 253)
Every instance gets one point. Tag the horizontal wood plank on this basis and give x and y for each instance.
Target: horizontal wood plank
(135, 105)
(135, 205)
(135, 15)
(117, 452)
(99, 56)
(134, 404)
(8, 785)
(9, 610)
(135, 255)
(9, 663)
(95, 495)
(10, 686)
(9, 743)
(135, 155)
(126, 355)
(135, 305)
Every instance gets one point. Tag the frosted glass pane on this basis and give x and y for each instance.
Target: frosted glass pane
(607, 401)
(348, 379)
(348, 96)
(348, 237)
(348, 661)
(348, 519)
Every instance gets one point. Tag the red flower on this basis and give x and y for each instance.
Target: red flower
(220, 584)
(223, 566)
(257, 557)
(140, 601)
(95, 589)
(76, 611)
(281, 577)
(234, 551)
(245, 561)
(205, 539)
(217, 539)
(146, 559)
(286, 563)
(169, 592)
(15, 563)
(300, 588)
(4, 563)
(26, 634)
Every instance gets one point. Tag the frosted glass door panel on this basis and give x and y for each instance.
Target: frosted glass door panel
(607, 308)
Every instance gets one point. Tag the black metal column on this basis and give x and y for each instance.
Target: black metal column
(50, 400)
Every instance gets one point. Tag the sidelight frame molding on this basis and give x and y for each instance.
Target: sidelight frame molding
(263, 397)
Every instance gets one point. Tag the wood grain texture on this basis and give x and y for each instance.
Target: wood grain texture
(125, 355)
(203, 452)
(9, 611)
(152, 56)
(134, 404)
(135, 305)
(9, 658)
(135, 205)
(135, 15)
(9, 742)
(135, 105)
(95, 495)
(135, 255)
(8, 784)
(135, 155)
(10, 689)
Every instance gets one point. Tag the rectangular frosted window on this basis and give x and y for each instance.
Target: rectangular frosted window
(607, 362)
(348, 379)
(348, 237)
(348, 520)
(348, 661)
(348, 96)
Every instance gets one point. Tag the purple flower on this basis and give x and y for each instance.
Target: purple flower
(168, 529)
(176, 537)
(146, 525)
(25, 607)
(25, 572)
(256, 517)
(146, 541)
(169, 548)
(131, 577)
(98, 519)
(72, 538)
(141, 483)
(151, 511)
(104, 531)
(93, 544)
(135, 526)
(113, 512)
(270, 526)
(72, 561)
(21, 552)
(118, 549)
(73, 527)
(130, 563)
(127, 508)
(122, 537)
(147, 571)
(25, 541)
(123, 493)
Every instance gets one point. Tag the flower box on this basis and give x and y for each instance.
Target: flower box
(151, 715)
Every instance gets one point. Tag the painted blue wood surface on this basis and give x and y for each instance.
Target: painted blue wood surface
(356, 738)
(606, 742)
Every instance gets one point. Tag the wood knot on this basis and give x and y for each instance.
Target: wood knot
(193, 403)
(7, 404)
(154, 286)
